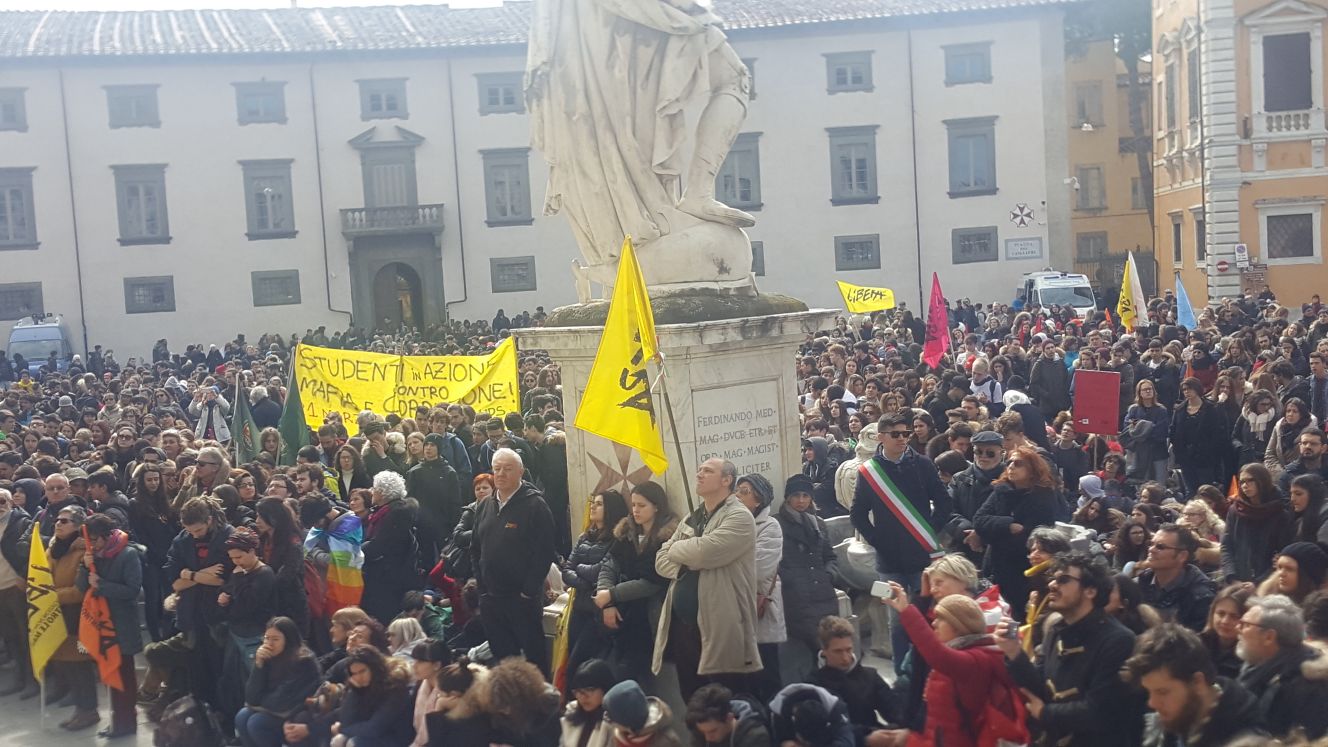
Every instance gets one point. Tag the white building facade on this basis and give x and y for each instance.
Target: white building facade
(191, 175)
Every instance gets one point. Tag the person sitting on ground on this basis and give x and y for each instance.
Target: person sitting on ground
(871, 704)
(583, 722)
(639, 721)
(715, 717)
(1289, 678)
(809, 716)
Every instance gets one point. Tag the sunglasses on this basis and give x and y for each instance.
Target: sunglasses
(988, 453)
(899, 434)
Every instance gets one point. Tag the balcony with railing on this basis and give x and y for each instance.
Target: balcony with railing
(1289, 124)
(387, 221)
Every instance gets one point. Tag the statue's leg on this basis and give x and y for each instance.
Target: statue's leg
(715, 133)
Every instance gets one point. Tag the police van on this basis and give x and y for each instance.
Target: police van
(1048, 288)
(36, 337)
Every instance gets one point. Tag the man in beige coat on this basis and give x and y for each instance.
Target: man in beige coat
(708, 623)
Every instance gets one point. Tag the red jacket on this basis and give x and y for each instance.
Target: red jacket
(967, 676)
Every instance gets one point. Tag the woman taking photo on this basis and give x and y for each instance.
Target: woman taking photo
(75, 674)
(1022, 499)
(1281, 450)
(285, 673)
(1198, 437)
(581, 572)
(1258, 525)
(154, 525)
(629, 592)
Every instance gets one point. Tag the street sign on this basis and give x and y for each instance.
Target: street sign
(1022, 215)
(1242, 256)
(1223, 265)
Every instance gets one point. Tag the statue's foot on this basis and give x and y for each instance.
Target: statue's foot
(716, 212)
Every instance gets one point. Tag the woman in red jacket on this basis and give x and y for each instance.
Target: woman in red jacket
(967, 670)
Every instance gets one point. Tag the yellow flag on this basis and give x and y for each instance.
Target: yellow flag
(617, 403)
(46, 624)
(860, 299)
(1131, 297)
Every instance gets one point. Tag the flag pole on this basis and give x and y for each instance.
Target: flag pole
(673, 425)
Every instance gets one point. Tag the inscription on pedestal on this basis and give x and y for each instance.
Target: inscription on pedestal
(740, 423)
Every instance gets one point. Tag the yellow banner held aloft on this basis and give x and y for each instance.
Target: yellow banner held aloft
(46, 624)
(859, 299)
(617, 403)
(348, 381)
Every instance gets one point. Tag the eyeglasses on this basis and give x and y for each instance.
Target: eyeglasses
(988, 453)
(1160, 546)
(208, 464)
(899, 434)
(1065, 578)
(1243, 624)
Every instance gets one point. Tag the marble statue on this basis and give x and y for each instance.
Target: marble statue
(608, 85)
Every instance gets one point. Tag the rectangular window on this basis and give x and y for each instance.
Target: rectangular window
(140, 195)
(1138, 200)
(18, 220)
(13, 109)
(758, 258)
(738, 183)
(1192, 83)
(19, 300)
(1200, 239)
(1176, 253)
(1290, 236)
(853, 165)
(972, 150)
(267, 199)
(383, 98)
(1288, 78)
(750, 62)
(500, 93)
(261, 102)
(1092, 192)
(1088, 104)
(1172, 82)
(1090, 246)
(511, 274)
(967, 63)
(848, 71)
(132, 106)
(389, 176)
(146, 295)
(974, 245)
(507, 186)
(276, 287)
(858, 252)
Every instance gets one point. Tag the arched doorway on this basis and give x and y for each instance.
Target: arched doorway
(397, 298)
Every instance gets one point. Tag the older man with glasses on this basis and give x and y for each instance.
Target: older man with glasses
(900, 506)
(1288, 677)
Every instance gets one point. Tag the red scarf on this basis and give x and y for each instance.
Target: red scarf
(116, 542)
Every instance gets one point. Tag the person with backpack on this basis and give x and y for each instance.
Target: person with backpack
(970, 696)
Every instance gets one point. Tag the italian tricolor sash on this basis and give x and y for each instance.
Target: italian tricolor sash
(899, 505)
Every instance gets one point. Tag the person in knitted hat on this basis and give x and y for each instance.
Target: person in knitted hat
(437, 486)
(638, 720)
(583, 721)
(807, 566)
(1300, 568)
(756, 493)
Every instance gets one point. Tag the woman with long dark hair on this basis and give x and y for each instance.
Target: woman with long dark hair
(1127, 605)
(581, 572)
(1255, 426)
(629, 591)
(1223, 629)
(1022, 499)
(285, 673)
(1309, 509)
(376, 706)
(1258, 525)
(154, 524)
(350, 471)
(282, 549)
(1147, 424)
(1282, 451)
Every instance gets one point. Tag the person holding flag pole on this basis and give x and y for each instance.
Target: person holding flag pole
(54, 606)
(111, 579)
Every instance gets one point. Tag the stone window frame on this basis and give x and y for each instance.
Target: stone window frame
(275, 171)
(146, 113)
(19, 179)
(497, 263)
(843, 264)
(747, 145)
(487, 81)
(129, 177)
(992, 233)
(848, 60)
(969, 50)
(14, 99)
(967, 127)
(265, 296)
(383, 87)
(133, 305)
(11, 314)
(1314, 208)
(518, 161)
(850, 137)
(262, 88)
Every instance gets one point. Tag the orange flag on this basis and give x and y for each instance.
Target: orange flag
(1233, 492)
(96, 633)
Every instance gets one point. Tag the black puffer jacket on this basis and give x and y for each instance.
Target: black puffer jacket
(581, 569)
(807, 572)
(1007, 553)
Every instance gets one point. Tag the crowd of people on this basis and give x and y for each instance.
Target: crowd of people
(1159, 585)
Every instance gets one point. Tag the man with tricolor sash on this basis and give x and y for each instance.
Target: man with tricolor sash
(899, 507)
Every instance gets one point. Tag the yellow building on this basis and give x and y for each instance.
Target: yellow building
(1109, 201)
(1239, 145)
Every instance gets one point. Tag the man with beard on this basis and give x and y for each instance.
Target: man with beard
(1075, 693)
(1192, 706)
(1287, 677)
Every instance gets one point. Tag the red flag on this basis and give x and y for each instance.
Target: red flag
(938, 326)
(96, 633)
(1109, 319)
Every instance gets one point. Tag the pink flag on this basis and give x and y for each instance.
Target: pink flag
(938, 326)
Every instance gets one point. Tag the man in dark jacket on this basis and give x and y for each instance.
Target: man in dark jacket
(1310, 446)
(1289, 678)
(1192, 706)
(512, 548)
(1176, 588)
(970, 489)
(104, 496)
(819, 465)
(15, 539)
(58, 498)
(434, 483)
(899, 506)
(870, 701)
(265, 411)
(1049, 382)
(715, 717)
(1076, 694)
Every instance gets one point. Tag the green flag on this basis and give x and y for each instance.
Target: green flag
(294, 431)
(244, 431)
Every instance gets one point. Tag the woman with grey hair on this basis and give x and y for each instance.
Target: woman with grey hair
(75, 674)
(389, 548)
(756, 493)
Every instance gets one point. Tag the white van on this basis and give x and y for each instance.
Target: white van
(36, 337)
(1050, 288)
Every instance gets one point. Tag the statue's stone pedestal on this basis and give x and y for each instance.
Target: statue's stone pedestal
(734, 391)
